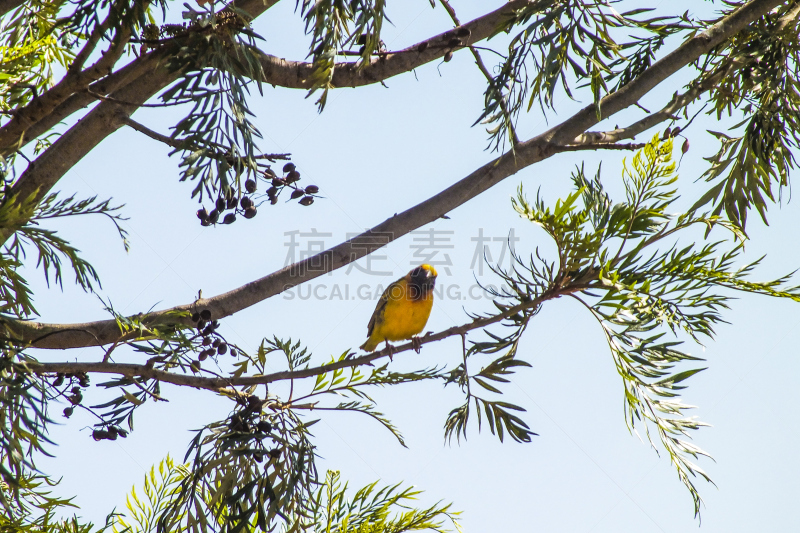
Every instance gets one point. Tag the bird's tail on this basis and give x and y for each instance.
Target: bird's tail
(370, 345)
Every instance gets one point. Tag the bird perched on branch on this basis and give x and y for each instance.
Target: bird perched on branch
(403, 309)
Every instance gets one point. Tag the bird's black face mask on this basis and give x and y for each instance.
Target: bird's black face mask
(421, 282)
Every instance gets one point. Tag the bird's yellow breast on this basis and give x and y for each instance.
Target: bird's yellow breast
(402, 317)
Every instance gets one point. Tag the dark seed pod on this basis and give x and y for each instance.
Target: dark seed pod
(269, 173)
(250, 212)
(676, 131)
(221, 203)
(205, 314)
(205, 222)
(59, 380)
(209, 330)
(84, 381)
(112, 433)
(213, 216)
(448, 56)
(685, 147)
(216, 343)
(253, 402)
(463, 32)
(99, 434)
(202, 214)
(312, 189)
(250, 186)
(195, 317)
(667, 134)
(236, 422)
(222, 349)
(362, 39)
(275, 453)
(206, 341)
(245, 202)
(264, 426)
(292, 176)
(195, 366)
(201, 324)
(454, 42)
(203, 356)
(277, 182)
(76, 390)
(233, 353)
(307, 200)
(288, 167)
(273, 200)
(76, 398)
(230, 218)
(258, 457)
(68, 411)
(422, 47)
(297, 193)
(232, 201)
(272, 191)
(122, 433)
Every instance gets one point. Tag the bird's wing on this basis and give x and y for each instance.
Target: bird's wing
(380, 307)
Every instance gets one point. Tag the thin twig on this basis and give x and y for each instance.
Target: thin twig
(487, 75)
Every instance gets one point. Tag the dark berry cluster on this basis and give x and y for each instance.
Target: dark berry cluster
(109, 433)
(77, 382)
(248, 422)
(674, 133)
(247, 205)
(230, 203)
(212, 342)
(289, 180)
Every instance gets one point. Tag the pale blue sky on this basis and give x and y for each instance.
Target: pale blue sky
(376, 151)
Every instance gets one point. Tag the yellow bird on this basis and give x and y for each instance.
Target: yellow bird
(403, 309)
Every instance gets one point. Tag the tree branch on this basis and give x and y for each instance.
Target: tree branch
(42, 114)
(62, 336)
(9, 5)
(679, 101)
(219, 383)
(12, 133)
(296, 74)
(628, 95)
(64, 99)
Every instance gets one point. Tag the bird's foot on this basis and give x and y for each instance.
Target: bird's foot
(390, 350)
(416, 343)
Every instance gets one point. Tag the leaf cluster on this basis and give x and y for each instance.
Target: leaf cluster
(613, 260)
(335, 25)
(758, 71)
(219, 62)
(565, 42)
(30, 50)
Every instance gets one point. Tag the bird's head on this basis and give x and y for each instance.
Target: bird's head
(421, 281)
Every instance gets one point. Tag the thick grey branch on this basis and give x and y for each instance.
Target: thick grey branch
(296, 74)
